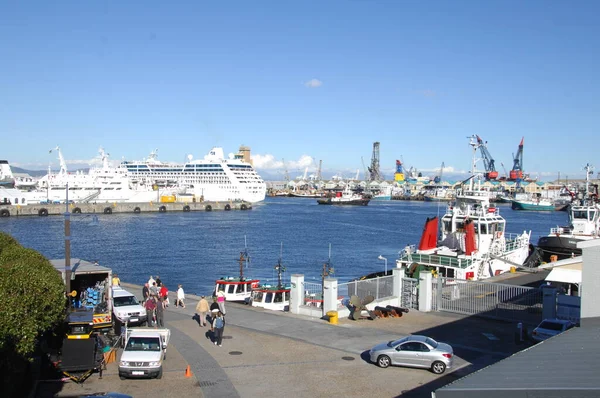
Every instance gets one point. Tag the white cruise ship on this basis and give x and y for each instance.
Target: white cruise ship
(213, 178)
(99, 184)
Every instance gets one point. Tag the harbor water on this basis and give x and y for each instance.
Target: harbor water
(196, 248)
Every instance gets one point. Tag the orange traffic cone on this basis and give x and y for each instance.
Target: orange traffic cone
(188, 372)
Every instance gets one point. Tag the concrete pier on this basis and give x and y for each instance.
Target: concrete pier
(43, 210)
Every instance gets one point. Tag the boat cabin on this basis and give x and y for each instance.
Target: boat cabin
(271, 298)
(236, 289)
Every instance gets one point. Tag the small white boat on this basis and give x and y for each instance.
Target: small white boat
(237, 288)
(346, 197)
(276, 298)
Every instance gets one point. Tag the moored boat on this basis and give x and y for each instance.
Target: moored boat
(237, 288)
(276, 298)
(473, 243)
(584, 224)
(538, 204)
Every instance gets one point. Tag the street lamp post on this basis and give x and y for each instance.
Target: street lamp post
(384, 259)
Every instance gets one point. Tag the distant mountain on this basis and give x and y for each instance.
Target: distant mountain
(33, 173)
(40, 173)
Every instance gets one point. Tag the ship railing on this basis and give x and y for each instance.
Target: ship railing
(434, 260)
(561, 230)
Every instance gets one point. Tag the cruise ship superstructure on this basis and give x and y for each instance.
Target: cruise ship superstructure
(213, 178)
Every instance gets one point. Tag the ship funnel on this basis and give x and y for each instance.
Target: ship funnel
(429, 237)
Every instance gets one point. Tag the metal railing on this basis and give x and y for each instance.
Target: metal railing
(435, 260)
(313, 294)
(380, 287)
(491, 300)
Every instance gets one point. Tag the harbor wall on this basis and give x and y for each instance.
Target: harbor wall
(125, 207)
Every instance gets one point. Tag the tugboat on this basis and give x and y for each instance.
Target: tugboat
(584, 224)
(473, 243)
(276, 298)
(237, 288)
(346, 197)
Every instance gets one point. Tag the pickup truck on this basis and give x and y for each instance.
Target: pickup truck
(126, 308)
(145, 349)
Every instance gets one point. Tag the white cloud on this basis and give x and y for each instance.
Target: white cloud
(269, 162)
(313, 83)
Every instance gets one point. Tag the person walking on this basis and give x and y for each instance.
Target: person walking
(218, 326)
(164, 296)
(160, 312)
(150, 306)
(221, 301)
(202, 310)
(180, 297)
(158, 281)
(151, 281)
(145, 292)
(115, 280)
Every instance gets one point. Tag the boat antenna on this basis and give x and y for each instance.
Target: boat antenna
(280, 268)
(244, 259)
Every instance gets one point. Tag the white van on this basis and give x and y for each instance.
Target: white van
(126, 307)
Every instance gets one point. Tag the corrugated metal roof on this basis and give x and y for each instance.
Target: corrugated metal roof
(79, 266)
(566, 364)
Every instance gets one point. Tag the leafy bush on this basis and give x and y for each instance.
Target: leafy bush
(32, 298)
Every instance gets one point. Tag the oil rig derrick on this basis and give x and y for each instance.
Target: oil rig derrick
(374, 171)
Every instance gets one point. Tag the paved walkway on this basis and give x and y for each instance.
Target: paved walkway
(264, 351)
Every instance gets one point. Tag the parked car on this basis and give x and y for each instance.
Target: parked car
(126, 308)
(414, 351)
(550, 327)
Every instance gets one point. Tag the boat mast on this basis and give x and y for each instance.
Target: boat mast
(244, 259)
(280, 268)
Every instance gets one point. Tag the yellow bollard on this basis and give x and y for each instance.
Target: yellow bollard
(333, 317)
(513, 270)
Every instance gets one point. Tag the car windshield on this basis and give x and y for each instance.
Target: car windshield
(551, 325)
(143, 344)
(394, 343)
(431, 342)
(123, 301)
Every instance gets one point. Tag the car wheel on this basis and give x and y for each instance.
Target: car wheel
(159, 375)
(438, 367)
(383, 361)
(122, 377)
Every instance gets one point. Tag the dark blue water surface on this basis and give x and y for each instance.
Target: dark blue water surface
(196, 248)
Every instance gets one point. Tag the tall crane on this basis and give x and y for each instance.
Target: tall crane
(505, 172)
(399, 175)
(516, 174)
(488, 161)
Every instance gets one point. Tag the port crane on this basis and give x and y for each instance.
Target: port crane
(488, 161)
(516, 174)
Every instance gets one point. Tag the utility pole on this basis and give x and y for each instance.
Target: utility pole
(67, 245)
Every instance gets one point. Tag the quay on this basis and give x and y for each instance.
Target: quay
(54, 209)
(268, 354)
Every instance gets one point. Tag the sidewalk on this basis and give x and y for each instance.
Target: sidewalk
(267, 354)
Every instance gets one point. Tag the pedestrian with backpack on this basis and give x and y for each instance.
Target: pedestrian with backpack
(218, 325)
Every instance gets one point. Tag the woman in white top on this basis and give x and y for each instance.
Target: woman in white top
(180, 297)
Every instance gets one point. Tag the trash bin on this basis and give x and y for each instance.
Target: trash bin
(333, 317)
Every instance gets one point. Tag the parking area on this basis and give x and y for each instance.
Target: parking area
(266, 354)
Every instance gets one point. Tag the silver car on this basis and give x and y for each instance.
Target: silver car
(414, 351)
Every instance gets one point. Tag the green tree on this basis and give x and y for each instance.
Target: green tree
(32, 296)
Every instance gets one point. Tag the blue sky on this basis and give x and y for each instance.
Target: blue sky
(303, 81)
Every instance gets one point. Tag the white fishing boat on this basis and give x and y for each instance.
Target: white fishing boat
(584, 224)
(237, 288)
(473, 242)
(269, 297)
(213, 178)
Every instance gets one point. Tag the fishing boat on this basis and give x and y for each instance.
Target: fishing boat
(345, 197)
(237, 288)
(277, 297)
(538, 204)
(385, 193)
(473, 242)
(584, 224)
